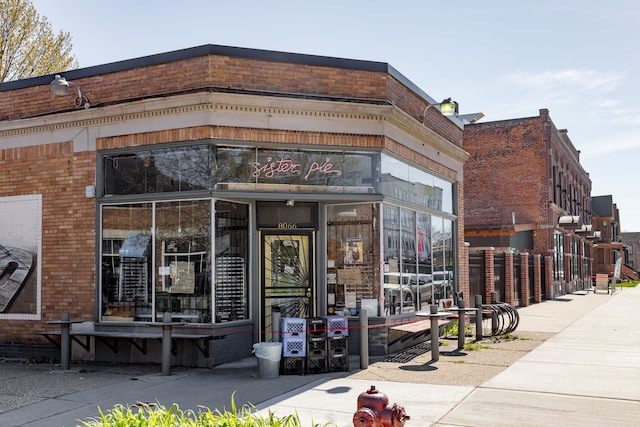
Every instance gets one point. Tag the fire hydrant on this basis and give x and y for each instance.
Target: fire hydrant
(373, 411)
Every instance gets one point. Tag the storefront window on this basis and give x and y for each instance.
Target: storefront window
(245, 168)
(232, 260)
(183, 259)
(158, 171)
(412, 185)
(409, 256)
(157, 258)
(126, 262)
(353, 273)
(443, 257)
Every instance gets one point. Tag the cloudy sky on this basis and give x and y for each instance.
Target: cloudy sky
(507, 59)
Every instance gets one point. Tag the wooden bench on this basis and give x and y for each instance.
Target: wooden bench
(137, 339)
(414, 330)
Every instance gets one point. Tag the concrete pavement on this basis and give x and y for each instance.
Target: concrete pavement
(587, 373)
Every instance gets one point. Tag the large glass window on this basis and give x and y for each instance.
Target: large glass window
(207, 167)
(126, 292)
(558, 256)
(353, 254)
(232, 250)
(157, 257)
(158, 171)
(183, 260)
(443, 257)
(412, 185)
(241, 168)
(418, 259)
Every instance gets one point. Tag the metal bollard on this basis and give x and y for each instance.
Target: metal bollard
(65, 341)
(461, 324)
(494, 315)
(364, 339)
(275, 326)
(479, 318)
(166, 344)
(435, 334)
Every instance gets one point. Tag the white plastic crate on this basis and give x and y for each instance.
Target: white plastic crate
(294, 347)
(293, 327)
(337, 326)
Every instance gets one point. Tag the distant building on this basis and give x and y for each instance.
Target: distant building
(527, 193)
(608, 239)
(632, 244)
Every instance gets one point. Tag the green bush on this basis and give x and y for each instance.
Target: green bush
(155, 415)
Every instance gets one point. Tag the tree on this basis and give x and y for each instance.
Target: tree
(28, 45)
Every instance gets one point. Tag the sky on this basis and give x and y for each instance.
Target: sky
(507, 59)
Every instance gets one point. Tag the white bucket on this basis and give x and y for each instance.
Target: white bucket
(268, 354)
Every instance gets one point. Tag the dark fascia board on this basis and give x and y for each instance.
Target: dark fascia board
(209, 49)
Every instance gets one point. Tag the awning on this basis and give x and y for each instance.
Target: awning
(570, 221)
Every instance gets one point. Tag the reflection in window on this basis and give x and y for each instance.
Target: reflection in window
(558, 256)
(418, 259)
(412, 185)
(353, 254)
(232, 250)
(443, 257)
(180, 248)
(126, 262)
(349, 172)
(158, 171)
(183, 250)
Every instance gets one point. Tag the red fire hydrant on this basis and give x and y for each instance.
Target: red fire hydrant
(373, 411)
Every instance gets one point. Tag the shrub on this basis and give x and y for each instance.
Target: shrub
(156, 415)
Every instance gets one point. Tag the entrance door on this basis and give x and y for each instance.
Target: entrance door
(287, 283)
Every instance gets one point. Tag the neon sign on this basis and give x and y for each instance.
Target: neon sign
(282, 167)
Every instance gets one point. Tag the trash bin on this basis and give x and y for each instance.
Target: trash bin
(268, 354)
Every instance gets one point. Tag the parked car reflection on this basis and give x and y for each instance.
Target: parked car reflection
(408, 292)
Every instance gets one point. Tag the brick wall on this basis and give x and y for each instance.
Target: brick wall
(68, 228)
(228, 74)
(506, 173)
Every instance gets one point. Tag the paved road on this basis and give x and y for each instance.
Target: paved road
(585, 371)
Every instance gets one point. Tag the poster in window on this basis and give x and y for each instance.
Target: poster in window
(182, 277)
(354, 251)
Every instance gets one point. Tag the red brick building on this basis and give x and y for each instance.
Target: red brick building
(610, 243)
(222, 185)
(522, 177)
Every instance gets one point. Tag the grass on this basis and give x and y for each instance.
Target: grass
(156, 415)
(631, 284)
(451, 330)
(510, 336)
(474, 346)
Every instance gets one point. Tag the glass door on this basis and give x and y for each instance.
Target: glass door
(287, 284)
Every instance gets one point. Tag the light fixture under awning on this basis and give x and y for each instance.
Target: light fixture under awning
(586, 228)
(597, 235)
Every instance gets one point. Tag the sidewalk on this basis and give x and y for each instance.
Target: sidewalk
(579, 365)
(587, 373)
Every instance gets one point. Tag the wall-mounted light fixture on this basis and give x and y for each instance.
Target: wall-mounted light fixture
(60, 87)
(291, 202)
(447, 108)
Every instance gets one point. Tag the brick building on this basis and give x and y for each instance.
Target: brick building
(223, 186)
(609, 241)
(526, 198)
(632, 243)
